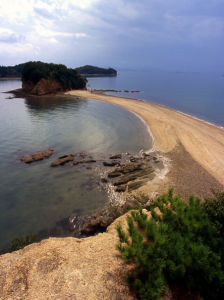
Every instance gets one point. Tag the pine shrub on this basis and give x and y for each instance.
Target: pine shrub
(180, 246)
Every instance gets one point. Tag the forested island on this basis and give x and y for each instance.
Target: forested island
(11, 71)
(91, 71)
(40, 78)
(87, 71)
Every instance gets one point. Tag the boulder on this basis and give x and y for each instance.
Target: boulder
(116, 156)
(121, 188)
(87, 161)
(83, 154)
(63, 160)
(111, 163)
(37, 156)
(96, 224)
(114, 174)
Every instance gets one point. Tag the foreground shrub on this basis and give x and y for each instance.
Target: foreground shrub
(179, 245)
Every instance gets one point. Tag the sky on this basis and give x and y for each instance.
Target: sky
(175, 35)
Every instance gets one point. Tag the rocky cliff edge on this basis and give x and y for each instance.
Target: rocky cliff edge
(66, 268)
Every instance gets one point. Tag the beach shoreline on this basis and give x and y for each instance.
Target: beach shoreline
(173, 130)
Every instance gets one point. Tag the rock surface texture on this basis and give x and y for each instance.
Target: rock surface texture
(43, 87)
(37, 156)
(66, 268)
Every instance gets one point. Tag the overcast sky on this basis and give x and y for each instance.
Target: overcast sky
(185, 35)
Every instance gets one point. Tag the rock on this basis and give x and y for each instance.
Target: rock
(63, 160)
(116, 156)
(114, 174)
(83, 154)
(111, 163)
(27, 159)
(43, 87)
(133, 176)
(75, 162)
(128, 172)
(121, 188)
(87, 161)
(67, 268)
(37, 156)
(48, 153)
(135, 185)
(104, 180)
(96, 224)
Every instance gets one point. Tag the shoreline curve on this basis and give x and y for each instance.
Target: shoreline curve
(204, 141)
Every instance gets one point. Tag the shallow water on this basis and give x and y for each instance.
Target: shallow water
(35, 197)
(198, 94)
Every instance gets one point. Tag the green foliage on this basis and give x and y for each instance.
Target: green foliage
(11, 71)
(180, 246)
(91, 70)
(215, 209)
(69, 78)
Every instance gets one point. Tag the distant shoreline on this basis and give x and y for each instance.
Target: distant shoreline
(172, 129)
(10, 78)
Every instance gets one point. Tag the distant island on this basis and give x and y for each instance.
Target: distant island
(40, 78)
(91, 71)
(87, 71)
(11, 71)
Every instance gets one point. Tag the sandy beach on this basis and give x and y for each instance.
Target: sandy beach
(180, 136)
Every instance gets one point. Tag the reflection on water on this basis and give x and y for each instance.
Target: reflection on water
(36, 197)
(50, 103)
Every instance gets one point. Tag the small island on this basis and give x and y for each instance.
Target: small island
(40, 78)
(91, 71)
(11, 71)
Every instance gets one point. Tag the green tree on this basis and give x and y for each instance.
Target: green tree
(179, 246)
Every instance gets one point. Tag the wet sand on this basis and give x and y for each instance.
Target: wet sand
(181, 137)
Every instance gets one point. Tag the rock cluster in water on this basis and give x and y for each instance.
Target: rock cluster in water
(37, 156)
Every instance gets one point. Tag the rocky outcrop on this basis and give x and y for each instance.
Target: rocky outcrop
(42, 87)
(63, 160)
(37, 156)
(66, 268)
(132, 175)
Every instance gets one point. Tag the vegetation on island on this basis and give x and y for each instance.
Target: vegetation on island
(88, 70)
(68, 78)
(11, 71)
(181, 247)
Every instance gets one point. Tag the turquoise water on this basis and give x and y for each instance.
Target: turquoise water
(198, 94)
(36, 197)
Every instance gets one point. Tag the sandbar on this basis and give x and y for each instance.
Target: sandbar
(203, 141)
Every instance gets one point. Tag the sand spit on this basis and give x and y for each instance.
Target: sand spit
(170, 128)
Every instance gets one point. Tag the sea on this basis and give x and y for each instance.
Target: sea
(36, 197)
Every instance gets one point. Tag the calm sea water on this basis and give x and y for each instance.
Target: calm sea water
(198, 94)
(36, 197)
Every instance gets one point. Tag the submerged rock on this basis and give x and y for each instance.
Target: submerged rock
(37, 156)
(111, 163)
(83, 154)
(63, 160)
(116, 156)
(87, 161)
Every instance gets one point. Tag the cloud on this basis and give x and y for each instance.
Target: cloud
(8, 36)
(111, 32)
